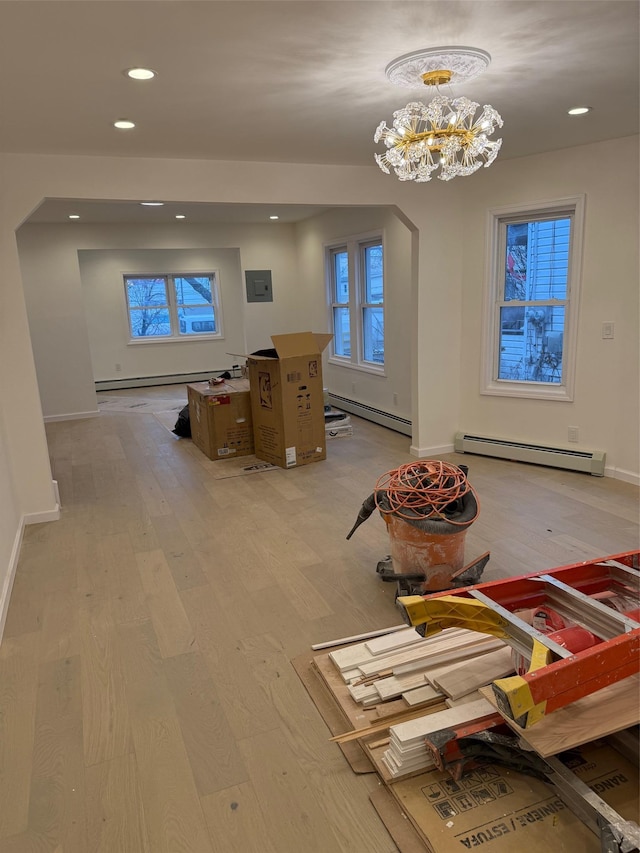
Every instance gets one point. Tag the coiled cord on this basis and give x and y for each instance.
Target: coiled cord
(429, 488)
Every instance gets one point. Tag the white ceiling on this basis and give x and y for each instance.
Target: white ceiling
(301, 80)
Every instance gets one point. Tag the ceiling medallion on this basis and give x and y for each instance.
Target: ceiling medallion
(444, 134)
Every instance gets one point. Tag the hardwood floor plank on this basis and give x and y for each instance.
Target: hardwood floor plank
(138, 651)
(172, 628)
(235, 822)
(106, 728)
(127, 596)
(115, 817)
(18, 691)
(211, 747)
(57, 808)
(174, 817)
(60, 635)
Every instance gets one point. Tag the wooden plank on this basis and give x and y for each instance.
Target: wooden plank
(105, 727)
(170, 622)
(416, 729)
(602, 713)
(469, 676)
(18, 691)
(421, 695)
(115, 817)
(213, 754)
(169, 796)
(235, 820)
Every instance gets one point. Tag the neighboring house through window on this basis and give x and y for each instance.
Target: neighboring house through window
(532, 299)
(173, 306)
(355, 278)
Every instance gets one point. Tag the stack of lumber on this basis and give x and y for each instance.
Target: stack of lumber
(440, 675)
(408, 753)
(421, 671)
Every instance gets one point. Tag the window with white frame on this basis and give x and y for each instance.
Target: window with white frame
(355, 272)
(532, 299)
(176, 306)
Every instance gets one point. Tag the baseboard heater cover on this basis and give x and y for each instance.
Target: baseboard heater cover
(144, 381)
(589, 461)
(370, 414)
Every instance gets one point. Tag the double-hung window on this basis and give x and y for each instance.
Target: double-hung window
(356, 294)
(532, 300)
(173, 306)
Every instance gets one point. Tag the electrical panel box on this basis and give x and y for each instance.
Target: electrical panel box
(258, 285)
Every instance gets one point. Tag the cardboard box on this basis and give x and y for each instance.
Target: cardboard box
(220, 415)
(502, 810)
(287, 400)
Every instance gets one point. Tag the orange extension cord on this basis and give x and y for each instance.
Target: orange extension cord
(424, 488)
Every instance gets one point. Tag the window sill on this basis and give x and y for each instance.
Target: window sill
(183, 340)
(361, 368)
(528, 391)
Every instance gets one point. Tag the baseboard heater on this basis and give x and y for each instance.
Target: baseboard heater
(589, 461)
(144, 381)
(370, 414)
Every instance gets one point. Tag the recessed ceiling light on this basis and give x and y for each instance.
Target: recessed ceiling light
(140, 73)
(579, 111)
(180, 216)
(274, 217)
(73, 216)
(152, 203)
(123, 124)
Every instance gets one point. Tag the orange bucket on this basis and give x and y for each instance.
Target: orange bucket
(437, 555)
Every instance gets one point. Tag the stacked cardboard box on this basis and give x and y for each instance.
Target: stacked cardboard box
(220, 415)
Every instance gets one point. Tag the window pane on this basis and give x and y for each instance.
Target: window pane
(341, 276)
(142, 292)
(531, 343)
(193, 290)
(373, 334)
(194, 301)
(341, 332)
(148, 307)
(373, 280)
(149, 322)
(537, 260)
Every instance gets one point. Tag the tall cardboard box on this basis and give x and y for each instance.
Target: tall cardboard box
(220, 415)
(287, 400)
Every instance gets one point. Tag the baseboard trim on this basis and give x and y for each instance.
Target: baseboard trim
(71, 416)
(427, 452)
(40, 517)
(621, 474)
(7, 586)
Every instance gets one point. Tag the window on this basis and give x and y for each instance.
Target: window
(173, 307)
(532, 299)
(356, 288)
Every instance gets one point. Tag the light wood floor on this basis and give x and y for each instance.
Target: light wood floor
(147, 697)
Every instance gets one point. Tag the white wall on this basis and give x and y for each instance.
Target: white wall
(606, 405)
(372, 390)
(101, 274)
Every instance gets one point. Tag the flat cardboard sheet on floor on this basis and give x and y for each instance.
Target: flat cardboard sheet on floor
(501, 811)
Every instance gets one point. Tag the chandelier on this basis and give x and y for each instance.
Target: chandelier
(444, 134)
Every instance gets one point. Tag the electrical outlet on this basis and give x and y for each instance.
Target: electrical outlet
(573, 434)
(118, 367)
(608, 330)
(353, 387)
(395, 399)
